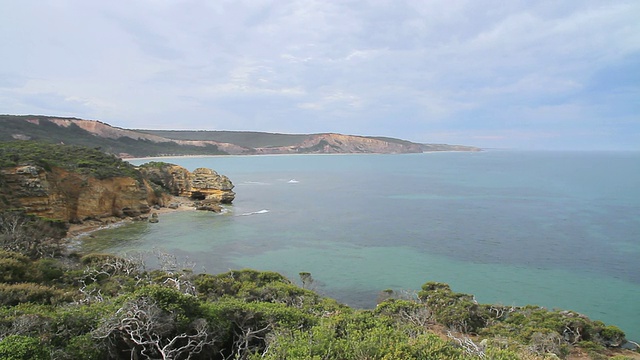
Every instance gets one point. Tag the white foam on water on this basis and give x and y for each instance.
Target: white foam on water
(264, 211)
(254, 183)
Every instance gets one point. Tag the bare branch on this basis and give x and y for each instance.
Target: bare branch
(468, 345)
(150, 332)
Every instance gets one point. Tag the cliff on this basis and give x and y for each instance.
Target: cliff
(147, 143)
(62, 195)
(74, 184)
(202, 184)
(338, 143)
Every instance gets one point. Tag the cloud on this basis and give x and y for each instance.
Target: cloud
(334, 99)
(483, 72)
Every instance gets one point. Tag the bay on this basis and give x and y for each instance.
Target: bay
(557, 229)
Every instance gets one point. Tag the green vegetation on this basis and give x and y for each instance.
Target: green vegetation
(18, 347)
(541, 330)
(248, 139)
(103, 306)
(140, 143)
(78, 159)
(46, 131)
(30, 236)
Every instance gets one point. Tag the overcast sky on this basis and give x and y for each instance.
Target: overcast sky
(507, 74)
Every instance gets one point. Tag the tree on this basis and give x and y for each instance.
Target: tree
(307, 280)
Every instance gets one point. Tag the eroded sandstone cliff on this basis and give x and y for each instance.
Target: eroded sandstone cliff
(67, 196)
(202, 184)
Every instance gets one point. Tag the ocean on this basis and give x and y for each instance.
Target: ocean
(556, 229)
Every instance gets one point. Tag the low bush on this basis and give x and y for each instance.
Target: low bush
(17, 347)
(14, 294)
(14, 267)
(455, 310)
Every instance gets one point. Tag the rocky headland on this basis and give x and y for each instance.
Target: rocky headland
(66, 196)
(201, 184)
(104, 190)
(126, 143)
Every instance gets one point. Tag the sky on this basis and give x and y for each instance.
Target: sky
(547, 74)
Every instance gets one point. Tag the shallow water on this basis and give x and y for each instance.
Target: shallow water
(555, 229)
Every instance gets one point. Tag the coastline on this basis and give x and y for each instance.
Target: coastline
(86, 228)
(151, 158)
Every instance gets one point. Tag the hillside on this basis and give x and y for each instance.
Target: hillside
(102, 306)
(147, 143)
(247, 139)
(95, 134)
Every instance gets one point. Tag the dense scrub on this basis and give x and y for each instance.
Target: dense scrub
(102, 306)
(248, 139)
(30, 236)
(83, 160)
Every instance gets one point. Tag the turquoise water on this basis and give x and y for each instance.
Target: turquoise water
(555, 229)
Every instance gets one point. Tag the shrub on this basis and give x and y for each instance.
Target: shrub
(78, 159)
(455, 310)
(241, 283)
(14, 267)
(17, 347)
(14, 294)
(82, 347)
(612, 336)
(29, 235)
(185, 307)
(49, 270)
(357, 335)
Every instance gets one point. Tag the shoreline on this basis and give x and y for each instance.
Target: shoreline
(292, 154)
(86, 228)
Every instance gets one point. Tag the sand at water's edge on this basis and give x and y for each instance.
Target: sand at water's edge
(89, 226)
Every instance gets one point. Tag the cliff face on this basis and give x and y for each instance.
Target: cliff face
(72, 197)
(202, 184)
(101, 129)
(67, 196)
(140, 143)
(337, 143)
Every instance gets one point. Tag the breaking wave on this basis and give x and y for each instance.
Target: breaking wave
(255, 212)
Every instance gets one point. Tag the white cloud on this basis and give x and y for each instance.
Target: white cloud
(397, 68)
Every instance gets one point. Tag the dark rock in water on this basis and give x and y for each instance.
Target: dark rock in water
(631, 345)
(209, 205)
(133, 212)
(154, 218)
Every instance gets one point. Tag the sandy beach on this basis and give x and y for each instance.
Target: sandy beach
(87, 227)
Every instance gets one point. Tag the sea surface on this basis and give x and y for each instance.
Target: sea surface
(557, 229)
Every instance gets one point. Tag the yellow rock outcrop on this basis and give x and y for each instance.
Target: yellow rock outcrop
(72, 197)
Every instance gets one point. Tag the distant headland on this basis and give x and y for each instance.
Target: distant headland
(126, 143)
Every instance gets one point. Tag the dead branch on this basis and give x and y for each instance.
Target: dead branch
(468, 345)
(148, 331)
